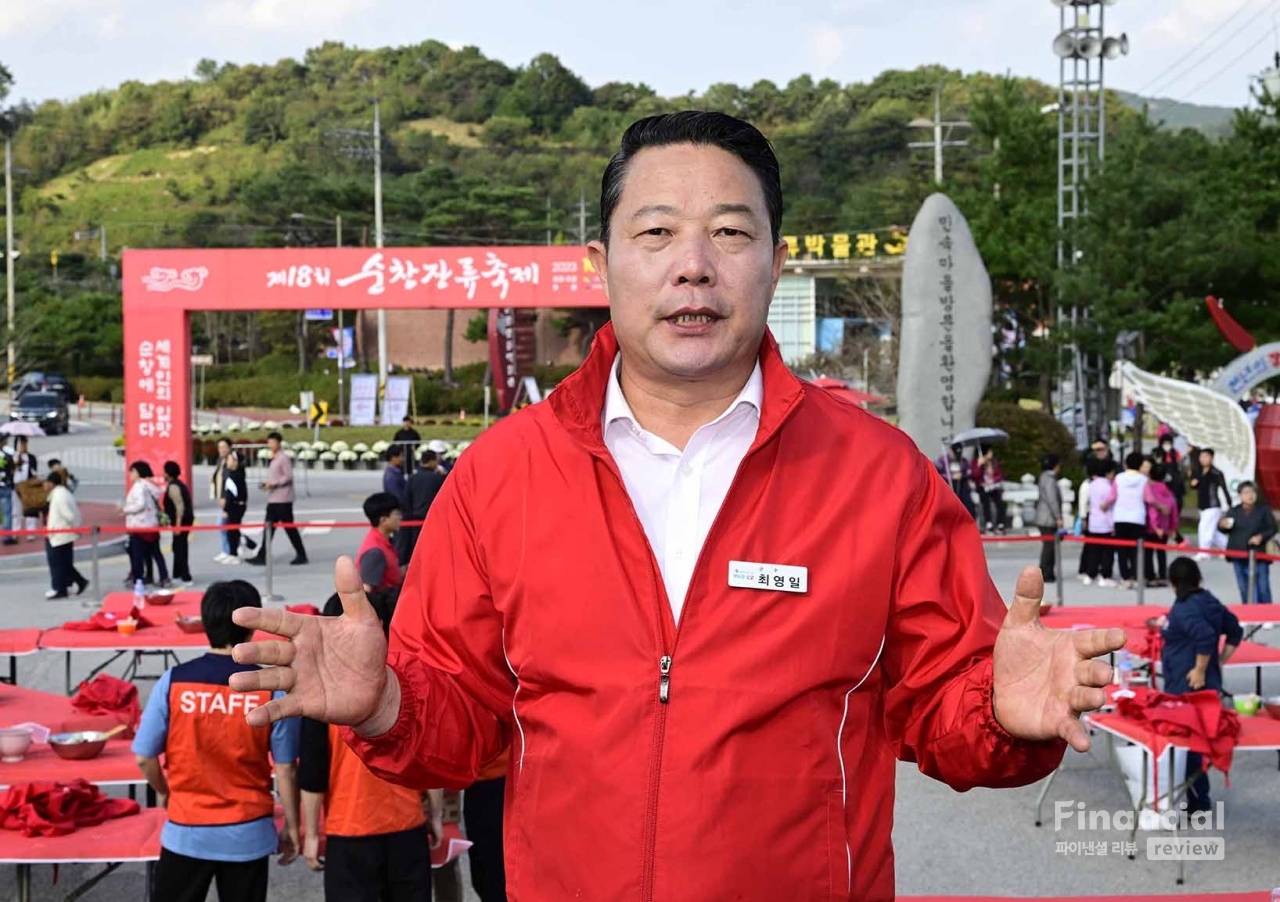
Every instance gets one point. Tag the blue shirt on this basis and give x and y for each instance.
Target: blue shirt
(1195, 624)
(233, 842)
(393, 481)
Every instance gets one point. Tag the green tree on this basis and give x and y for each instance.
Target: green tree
(546, 93)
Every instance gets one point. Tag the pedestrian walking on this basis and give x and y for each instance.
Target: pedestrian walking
(1049, 513)
(1249, 526)
(7, 468)
(216, 782)
(280, 496)
(181, 513)
(142, 518)
(378, 834)
(216, 492)
(655, 676)
(1099, 557)
(1212, 497)
(1133, 495)
(30, 489)
(234, 503)
(68, 478)
(991, 489)
(64, 514)
(1162, 526)
(1189, 657)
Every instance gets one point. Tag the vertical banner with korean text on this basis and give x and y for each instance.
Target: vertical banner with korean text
(157, 374)
(364, 399)
(395, 400)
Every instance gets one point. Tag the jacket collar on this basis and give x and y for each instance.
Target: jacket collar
(578, 402)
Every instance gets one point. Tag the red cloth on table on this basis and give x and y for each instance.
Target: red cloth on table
(303, 609)
(105, 694)
(56, 809)
(106, 620)
(1210, 729)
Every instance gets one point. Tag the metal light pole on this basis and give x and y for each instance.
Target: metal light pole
(377, 237)
(8, 242)
(940, 140)
(1082, 50)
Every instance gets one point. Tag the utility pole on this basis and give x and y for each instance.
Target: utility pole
(940, 139)
(548, 220)
(8, 240)
(342, 360)
(582, 216)
(377, 237)
(102, 229)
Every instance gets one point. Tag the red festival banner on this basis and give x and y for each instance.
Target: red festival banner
(161, 287)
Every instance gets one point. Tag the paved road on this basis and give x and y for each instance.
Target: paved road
(981, 842)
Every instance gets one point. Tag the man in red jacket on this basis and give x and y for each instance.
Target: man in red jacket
(704, 651)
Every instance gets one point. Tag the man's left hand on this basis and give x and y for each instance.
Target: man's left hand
(1044, 679)
(288, 847)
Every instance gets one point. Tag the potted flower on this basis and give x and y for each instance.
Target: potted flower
(328, 459)
(264, 455)
(307, 458)
(360, 447)
(348, 459)
(339, 446)
(370, 460)
(380, 447)
(319, 447)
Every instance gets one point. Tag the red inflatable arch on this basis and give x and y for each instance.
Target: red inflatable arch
(162, 287)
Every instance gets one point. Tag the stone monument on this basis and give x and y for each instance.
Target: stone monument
(944, 355)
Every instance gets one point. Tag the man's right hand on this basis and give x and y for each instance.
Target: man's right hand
(311, 852)
(333, 669)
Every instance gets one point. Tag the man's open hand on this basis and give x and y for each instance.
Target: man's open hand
(333, 668)
(1044, 679)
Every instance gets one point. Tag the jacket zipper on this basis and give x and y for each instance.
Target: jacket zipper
(665, 662)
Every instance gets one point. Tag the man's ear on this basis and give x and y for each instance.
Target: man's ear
(598, 254)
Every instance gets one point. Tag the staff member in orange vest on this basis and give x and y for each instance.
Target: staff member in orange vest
(378, 560)
(217, 785)
(379, 836)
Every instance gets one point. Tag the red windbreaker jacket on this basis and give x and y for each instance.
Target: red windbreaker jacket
(746, 752)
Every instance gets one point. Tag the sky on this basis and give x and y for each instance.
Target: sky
(1203, 51)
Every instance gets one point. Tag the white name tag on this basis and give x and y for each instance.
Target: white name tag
(777, 577)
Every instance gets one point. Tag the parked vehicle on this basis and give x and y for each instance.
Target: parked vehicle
(47, 408)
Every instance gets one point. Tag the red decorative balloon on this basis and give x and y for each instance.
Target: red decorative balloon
(1267, 432)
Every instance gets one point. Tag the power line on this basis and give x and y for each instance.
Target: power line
(1196, 65)
(1190, 53)
(1204, 84)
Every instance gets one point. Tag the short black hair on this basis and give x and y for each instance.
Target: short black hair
(428, 455)
(730, 134)
(54, 462)
(275, 435)
(171, 469)
(1158, 472)
(142, 468)
(379, 505)
(224, 439)
(1184, 576)
(407, 419)
(1134, 460)
(53, 477)
(219, 601)
(383, 601)
(1109, 467)
(1246, 484)
(1208, 451)
(1049, 461)
(394, 451)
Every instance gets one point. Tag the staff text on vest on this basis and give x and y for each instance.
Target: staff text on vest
(193, 701)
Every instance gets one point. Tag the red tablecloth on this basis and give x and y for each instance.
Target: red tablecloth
(19, 642)
(1259, 733)
(132, 838)
(116, 764)
(1253, 654)
(1260, 896)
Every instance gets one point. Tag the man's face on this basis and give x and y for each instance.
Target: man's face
(1206, 459)
(1099, 450)
(1145, 469)
(392, 521)
(273, 445)
(1248, 497)
(691, 264)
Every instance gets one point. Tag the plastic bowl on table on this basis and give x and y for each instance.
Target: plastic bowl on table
(79, 746)
(14, 743)
(161, 597)
(1247, 705)
(190, 625)
(127, 627)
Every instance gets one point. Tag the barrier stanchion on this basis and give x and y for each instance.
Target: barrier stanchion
(96, 579)
(1140, 569)
(270, 594)
(1252, 595)
(1057, 567)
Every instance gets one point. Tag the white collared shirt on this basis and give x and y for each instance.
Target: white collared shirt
(677, 494)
